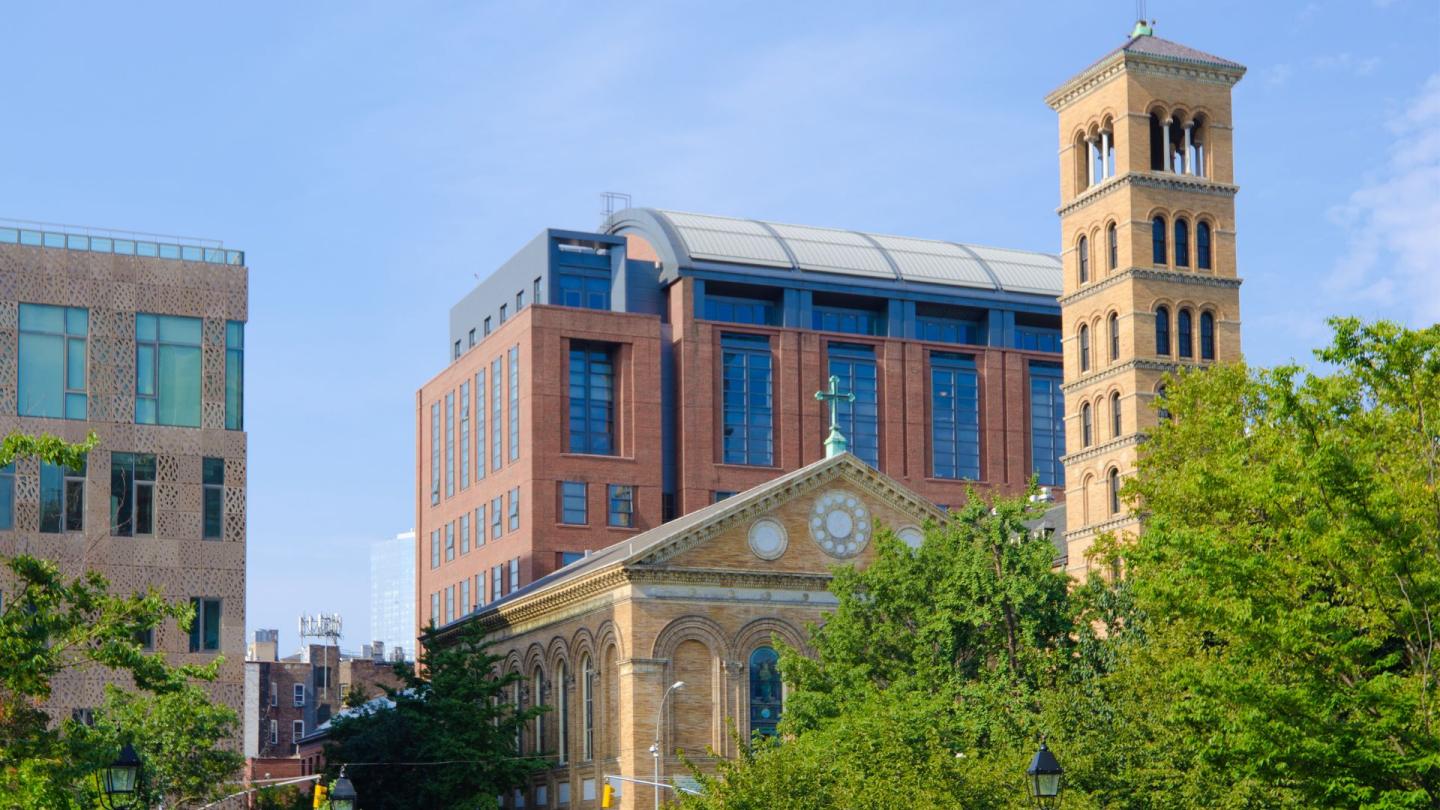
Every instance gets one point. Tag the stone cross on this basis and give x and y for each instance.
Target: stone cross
(835, 443)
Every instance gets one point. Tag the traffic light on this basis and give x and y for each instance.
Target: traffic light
(607, 795)
(321, 796)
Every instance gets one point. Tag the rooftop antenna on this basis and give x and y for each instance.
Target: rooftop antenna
(613, 201)
(328, 626)
(1142, 28)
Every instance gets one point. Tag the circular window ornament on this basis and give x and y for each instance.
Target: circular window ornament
(768, 539)
(840, 524)
(911, 536)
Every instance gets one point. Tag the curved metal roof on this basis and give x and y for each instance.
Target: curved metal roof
(696, 238)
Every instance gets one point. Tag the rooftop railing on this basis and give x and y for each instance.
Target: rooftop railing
(120, 243)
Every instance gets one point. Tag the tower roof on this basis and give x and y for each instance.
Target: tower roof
(1151, 45)
(1142, 45)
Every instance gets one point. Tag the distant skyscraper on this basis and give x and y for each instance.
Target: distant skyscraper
(392, 594)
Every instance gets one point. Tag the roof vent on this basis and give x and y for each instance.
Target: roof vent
(1143, 29)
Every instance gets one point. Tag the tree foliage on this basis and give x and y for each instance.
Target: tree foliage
(446, 737)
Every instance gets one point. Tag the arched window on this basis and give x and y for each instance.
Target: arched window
(562, 690)
(1157, 150)
(1114, 337)
(1184, 331)
(537, 683)
(1160, 409)
(1115, 415)
(1084, 250)
(1084, 348)
(1114, 491)
(1157, 237)
(766, 691)
(1114, 239)
(587, 700)
(1086, 431)
(1182, 243)
(1207, 336)
(517, 701)
(1162, 331)
(1202, 245)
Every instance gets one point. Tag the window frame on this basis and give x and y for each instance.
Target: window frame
(68, 338)
(597, 371)
(132, 489)
(1082, 250)
(297, 692)
(744, 363)
(204, 607)
(212, 496)
(955, 372)
(1162, 331)
(155, 345)
(1159, 241)
(620, 506)
(567, 503)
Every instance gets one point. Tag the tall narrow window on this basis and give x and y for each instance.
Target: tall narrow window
(587, 698)
(573, 507)
(434, 453)
(486, 326)
(1114, 337)
(592, 399)
(1115, 415)
(537, 682)
(562, 697)
(479, 530)
(449, 604)
(205, 629)
(449, 541)
(464, 606)
(1086, 426)
(497, 413)
(1202, 245)
(622, 506)
(7, 496)
(514, 379)
(132, 494)
(435, 548)
(435, 608)
(1207, 336)
(167, 370)
(1083, 251)
(234, 375)
(1183, 333)
(62, 498)
(746, 395)
(859, 420)
(1182, 243)
(450, 444)
(766, 692)
(514, 575)
(212, 471)
(1084, 347)
(497, 582)
(464, 434)
(1162, 331)
(1157, 241)
(465, 533)
(1114, 491)
(1047, 423)
(954, 416)
(584, 287)
(479, 424)
(514, 524)
(1113, 237)
(497, 519)
(51, 374)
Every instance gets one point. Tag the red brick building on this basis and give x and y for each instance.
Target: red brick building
(601, 384)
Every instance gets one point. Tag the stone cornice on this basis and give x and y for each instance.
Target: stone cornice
(1118, 522)
(1090, 79)
(730, 578)
(1101, 449)
(543, 602)
(1134, 364)
(1118, 62)
(1149, 274)
(1149, 179)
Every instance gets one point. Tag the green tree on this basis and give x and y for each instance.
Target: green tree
(446, 737)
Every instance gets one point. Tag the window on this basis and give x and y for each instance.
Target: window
(1086, 429)
(1113, 237)
(167, 370)
(572, 503)
(62, 498)
(1184, 333)
(480, 424)
(435, 549)
(569, 557)
(622, 506)
(562, 690)
(449, 541)
(1114, 337)
(585, 289)
(479, 526)
(465, 434)
(435, 608)
(859, 420)
(1157, 241)
(299, 694)
(7, 496)
(747, 404)
(1037, 339)
(486, 326)
(502, 314)
(514, 575)
(519, 300)
(471, 343)
(213, 480)
(766, 692)
(1162, 331)
(587, 697)
(1047, 423)
(735, 309)
(234, 375)
(1207, 336)
(1202, 245)
(450, 444)
(592, 399)
(274, 731)
(1083, 251)
(274, 694)
(480, 589)
(434, 453)
(52, 378)
(497, 582)
(1084, 347)
(722, 494)
(205, 629)
(948, 330)
(1182, 243)
(848, 319)
(497, 526)
(514, 438)
(1160, 409)
(536, 682)
(497, 412)
(456, 354)
(1114, 491)
(514, 515)
(297, 730)
(132, 494)
(465, 533)
(449, 604)
(954, 416)
(538, 298)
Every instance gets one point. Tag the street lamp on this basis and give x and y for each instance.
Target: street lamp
(1043, 778)
(342, 793)
(119, 779)
(655, 747)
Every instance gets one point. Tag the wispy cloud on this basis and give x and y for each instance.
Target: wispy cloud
(1392, 261)
(1347, 63)
(1277, 76)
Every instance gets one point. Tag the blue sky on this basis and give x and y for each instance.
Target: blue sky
(372, 159)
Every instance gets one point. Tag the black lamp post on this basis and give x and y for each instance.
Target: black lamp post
(342, 793)
(119, 780)
(1043, 778)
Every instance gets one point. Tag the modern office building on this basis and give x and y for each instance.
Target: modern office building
(392, 594)
(600, 384)
(141, 340)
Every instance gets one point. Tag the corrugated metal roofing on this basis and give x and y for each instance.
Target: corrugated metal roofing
(728, 240)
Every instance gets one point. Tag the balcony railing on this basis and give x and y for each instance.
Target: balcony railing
(120, 243)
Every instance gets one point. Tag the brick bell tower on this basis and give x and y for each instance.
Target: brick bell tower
(1147, 224)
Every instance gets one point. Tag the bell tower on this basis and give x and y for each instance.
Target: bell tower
(1147, 227)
